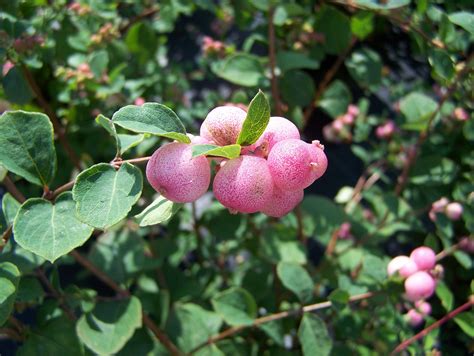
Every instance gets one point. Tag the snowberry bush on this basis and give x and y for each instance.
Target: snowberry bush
(236, 177)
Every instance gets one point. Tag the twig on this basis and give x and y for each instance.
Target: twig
(119, 162)
(306, 309)
(448, 251)
(58, 128)
(326, 80)
(433, 326)
(12, 189)
(62, 302)
(413, 154)
(5, 237)
(149, 323)
(147, 13)
(299, 222)
(272, 59)
(11, 334)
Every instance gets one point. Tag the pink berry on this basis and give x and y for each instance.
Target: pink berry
(282, 202)
(139, 101)
(178, 176)
(402, 265)
(419, 285)
(437, 207)
(454, 211)
(278, 129)
(461, 114)
(244, 184)
(338, 125)
(353, 110)
(223, 125)
(424, 257)
(467, 244)
(423, 307)
(386, 130)
(197, 140)
(345, 231)
(348, 119)
(414, 318)
(295, 164)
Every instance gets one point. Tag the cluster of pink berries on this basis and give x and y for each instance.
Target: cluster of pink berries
(340, 129)
(452, 210)
(269, 176)
(420, 284)
(386, 130)
(212, 47)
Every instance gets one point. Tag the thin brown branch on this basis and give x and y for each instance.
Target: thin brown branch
(272, 60)
(54, 292)
(277, 316)
(11, 334)
(119, 162)
(299, 224)
(326, 81)
(62, 189)
(147, 13)
(13, 190)
(58, 128)
(447, 252)
(5, 237)
(413, 154)
(149, 323)
(433, 326)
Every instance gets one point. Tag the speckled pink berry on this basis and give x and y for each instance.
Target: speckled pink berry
(419, 285)
(244, 184)
(223, 125)
(424, 257)
(414, 318)
(402, 265)
(295, 164)
(424, 308)
(178, 176)
(197, 140)
(454, 211)
(278, 129)
(282, 202)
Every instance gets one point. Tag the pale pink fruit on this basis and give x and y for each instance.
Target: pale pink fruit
(139, 101)
(178, 176)
(338, 125)
(295, 164)
(278, 129)
(402, 265)
(345, 231)
(424, 257)
(386, 130)
(419, 285)
(282, 202)
(223, 125)
(467, 244)
(348, 119)
(454, 211)
(437, 207)
(414, 318)
(197, 140)
(423, 307)
(244, 184)
(461, 114)
(353, 110)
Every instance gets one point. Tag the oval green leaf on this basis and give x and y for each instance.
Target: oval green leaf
(50, 230)
(108, 327)
(256, 120)
(230, 151)
(9, 279)
(152, 118)
(27, 146)
(160, 211)
(236, 306)
(104, 196)
(295, 278)
(313, 335)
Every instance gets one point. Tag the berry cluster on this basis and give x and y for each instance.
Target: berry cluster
(269, 176)
(453, 210)
(419, 273)
(340, 129)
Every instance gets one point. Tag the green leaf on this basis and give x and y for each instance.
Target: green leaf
(104, 196)
(336, 99)
(313, 336)
(339, 298)
(3, 173)
(16, 87)
(55, 337)
(362, 24)
(285, 12)
(288, 60)
(236, 306)
(191, 325)
(442, 63)
(466, 323)
(98, 62)
(296, 278)
(142, 41)
(282, 247)
(365, 66)
(10, 207)
(374, 268)
(336, 28)
(433, 171)
(26, 146)
(382, 5)
(230, 151)
(297, 88)
(417, 108)
(50, 230)
(129, 141)
(464, 19)
(152, 118)
(256, 121)
(160, 211)
(445, 296)
(241, 69)
(109, 126)
(9, 279)
(108, 327)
